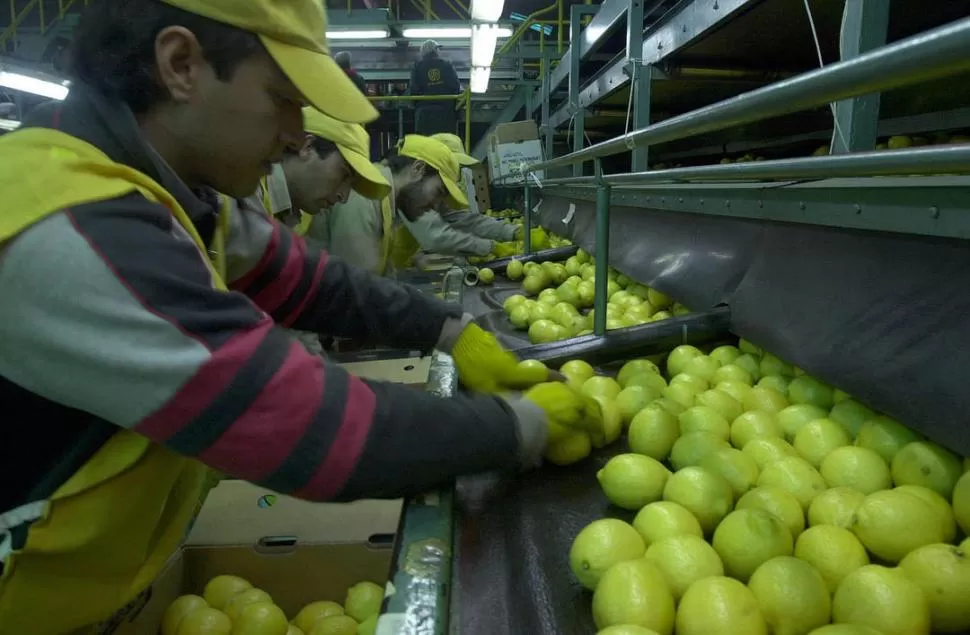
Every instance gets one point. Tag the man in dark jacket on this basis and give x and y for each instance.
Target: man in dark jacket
(433, 75)
(345, 62)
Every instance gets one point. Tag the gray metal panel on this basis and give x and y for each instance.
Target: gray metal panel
(610, 14)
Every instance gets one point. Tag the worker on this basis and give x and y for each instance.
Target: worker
(345, 62)
(423, 174)
(139, 349)
(434, 75)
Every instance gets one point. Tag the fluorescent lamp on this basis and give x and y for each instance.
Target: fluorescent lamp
(487, 10)
(362, 34)
(478, 82)
(483, 44)
(9, 124)
(450, 33)
(28, 84)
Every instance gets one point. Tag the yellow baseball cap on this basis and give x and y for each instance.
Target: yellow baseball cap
(441, 158)
(294, 33)
(353, 143)
(457, 148)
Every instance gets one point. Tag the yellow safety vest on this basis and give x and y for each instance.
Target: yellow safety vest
(405, 246)
(108, 531)
(388, 240)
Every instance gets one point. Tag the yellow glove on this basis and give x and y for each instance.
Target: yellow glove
(504, 249)
(485, 366)
(573, 421)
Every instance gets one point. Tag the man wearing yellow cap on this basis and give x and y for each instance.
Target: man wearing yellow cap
(139, 315)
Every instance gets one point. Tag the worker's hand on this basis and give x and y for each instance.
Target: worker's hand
(503, 250)
(485, 366)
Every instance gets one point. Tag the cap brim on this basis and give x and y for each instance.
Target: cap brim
(464, 159)
(369, 181)
(456, 198)
(322, 82)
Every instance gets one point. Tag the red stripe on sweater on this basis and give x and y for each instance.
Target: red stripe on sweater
(268, 254)
(277, 292)
(268, 432)
(288, 320)
(209, 381)
(341, 461)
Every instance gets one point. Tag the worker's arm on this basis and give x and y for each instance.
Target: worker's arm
(109, 309)
(311, 290)
(481, 225)
(436, 236)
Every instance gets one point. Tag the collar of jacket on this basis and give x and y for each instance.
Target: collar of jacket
(109, 125)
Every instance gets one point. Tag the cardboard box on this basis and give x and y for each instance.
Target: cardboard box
(511, 147)
(477, 188)
(297, 551)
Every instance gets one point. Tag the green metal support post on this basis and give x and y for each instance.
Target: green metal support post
(602, 250)
(527, 214)
(578, 112)
(640, 76)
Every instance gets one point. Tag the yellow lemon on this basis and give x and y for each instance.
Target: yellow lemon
(892, 523)
(653, 432)
(943, 572)
(635, 367)
(884, 599)
(205, 621)
(943, 510)
(260, 618)
(178, 609)
(746, 538)
(368, 626)
(626, 629)
(577, 371)
(796, 476)
(690, 448)
(792, 595)
(632, 400)
(335, 625)
(736, 467)
(816, 439)
(294, 630)
(835, 552)
(575, 447)
(732, 372)
(761, 398)
(314, 611)
(683, 560)
(363, 600)
(721, 606)
(885, 437)
(704, 494)
(777, 502)
(855, 467)
(599, 386)
(927, 464)
(845, 629)
(851, 415)
(634, 592)
(721, 402)
(222, 587)
(631, 481)
(704, 419)
(754, 424)
(792, 418)
(665, 519)
(612, 422)
(238, 602)
(835, 506)
(809, 390)
(600, 545)
(737, 389)
(961, 502)
(767, 450)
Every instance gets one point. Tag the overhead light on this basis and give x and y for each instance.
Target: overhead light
(483, 44)
(29, 84)
(487, 10)
(362, 34)
(478, 81)
(450, 33)
(9, 124)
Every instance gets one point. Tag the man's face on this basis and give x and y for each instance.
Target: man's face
(318, 183)
(228, 133)
(421, 194)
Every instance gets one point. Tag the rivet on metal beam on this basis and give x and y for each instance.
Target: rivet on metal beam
(857, 208)
(727, 203)
(935, 212)
(802, 206)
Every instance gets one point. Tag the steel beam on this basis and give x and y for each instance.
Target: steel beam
(607, 18)
(640, 77)
(864, 27)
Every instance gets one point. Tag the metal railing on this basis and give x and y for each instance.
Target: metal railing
(465, 97)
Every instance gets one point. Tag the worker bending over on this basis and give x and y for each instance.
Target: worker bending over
(138, 329)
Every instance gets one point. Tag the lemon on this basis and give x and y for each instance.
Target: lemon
(704, 494)
(653, 381)
(653, 432)
(761, 398)
(680, 393)
(334, 625)
(363, 600)
(631, 481)
(736, 467)
(884, 599)
(704, 419)
(222, 587)
(851, 415)
(632, 400)
(809, 390)
(241, 600)
(635, 367)
(634, 592)
(612, 423)
(701, 366)
(845, 629)
(795, 476)
(746, 538)
(532, 371)
(771, 365)
(731, 372)
(767, 450)
(690, 448)
(205, 621)
(892, 523)
(835, 552)
(665, 519)
(575, 447)
(778, 383)
(262, 618)
(858, 468)
(750, 364)
(777, 502)
(754, 424)
(683, 560)
(927, 464)
(885, 437)
(721, 606)
(577, 371)
(626, 629)
(178, 609)
(314, 611)
(294, 630)
(746, 346)
(816, 439)
(961, 502)
(794, 417)
(696, 384)
(601, 544)
(943, 510)
(835, 506)
(737, 389)
(792, 595)
(721, 402)
(599, 386)
(367, 627)
(943, 572)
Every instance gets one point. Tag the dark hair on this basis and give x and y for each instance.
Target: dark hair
(323, 147)
(398, 162)
(114, 47)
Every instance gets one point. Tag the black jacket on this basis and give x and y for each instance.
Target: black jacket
(434, 76)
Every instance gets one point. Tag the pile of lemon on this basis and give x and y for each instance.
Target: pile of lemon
(230, 605)
(769, 502)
